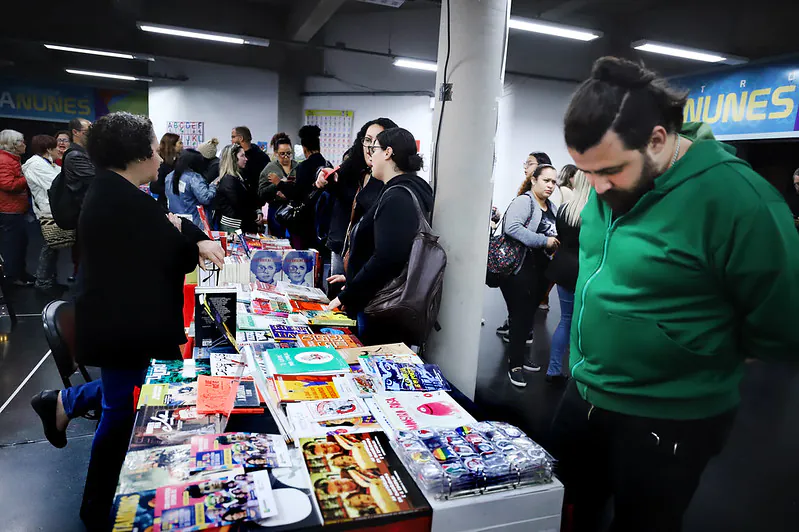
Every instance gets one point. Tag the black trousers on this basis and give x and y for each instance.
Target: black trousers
(523, 292)
(650, 467)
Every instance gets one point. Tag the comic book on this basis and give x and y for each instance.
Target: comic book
(402, 377)
(229, 365)
(251, 451)
(358, 478)
(174, 394)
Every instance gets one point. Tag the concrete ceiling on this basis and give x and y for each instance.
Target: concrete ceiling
(296, 29)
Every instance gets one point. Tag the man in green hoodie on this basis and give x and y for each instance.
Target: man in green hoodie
(689, 264)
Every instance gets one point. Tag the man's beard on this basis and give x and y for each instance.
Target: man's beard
(621, 201)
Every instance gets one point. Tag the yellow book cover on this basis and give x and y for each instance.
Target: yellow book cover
(294, 388)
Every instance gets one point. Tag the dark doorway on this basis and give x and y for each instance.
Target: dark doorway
(776, 160)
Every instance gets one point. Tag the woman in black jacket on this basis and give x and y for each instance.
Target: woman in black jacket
(168, 149)
(120, 328)
(354, 190)
(303, 232)
(233, 205)
(382, 240)
(563, 270)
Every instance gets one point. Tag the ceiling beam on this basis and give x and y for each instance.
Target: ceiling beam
(309, 17)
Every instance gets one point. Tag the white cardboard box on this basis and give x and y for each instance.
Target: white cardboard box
(530, 509)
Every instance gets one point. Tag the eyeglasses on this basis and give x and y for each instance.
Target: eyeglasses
(284, 154)
(528, 164)
(367, 141)
(63, 141)
(371, 149)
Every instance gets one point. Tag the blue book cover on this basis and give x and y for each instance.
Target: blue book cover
(402, 377)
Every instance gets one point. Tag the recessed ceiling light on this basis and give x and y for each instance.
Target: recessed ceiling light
(416, 64)
(108, 75)
(200, 34)
(105, 53)
(557, 30)
(687, 53)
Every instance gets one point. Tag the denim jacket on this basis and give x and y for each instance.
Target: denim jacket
(194, 191)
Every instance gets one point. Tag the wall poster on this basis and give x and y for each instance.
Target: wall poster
(191, 133)
(336, 129)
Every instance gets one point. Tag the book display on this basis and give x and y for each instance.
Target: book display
(367, 436)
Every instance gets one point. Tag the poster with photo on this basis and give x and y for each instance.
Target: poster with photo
(191, 133)
(291, 266)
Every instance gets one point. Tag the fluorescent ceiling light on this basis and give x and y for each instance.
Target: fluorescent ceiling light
(199, 34)
(105, 53)
(557, 30)
(687, 53)
(416, 64)
(108, 75)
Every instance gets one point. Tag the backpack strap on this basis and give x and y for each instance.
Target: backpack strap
(424, 223)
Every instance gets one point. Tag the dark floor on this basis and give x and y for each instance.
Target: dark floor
(750, 487)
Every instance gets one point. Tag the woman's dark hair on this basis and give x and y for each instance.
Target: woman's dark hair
(309, 137)
(624, 97)
(566, 174)
(354, 166)
(541, 157)
(403, 144)
(62, 132)
(167, 147)
(188, 159)
(298, 255)
(118, 139)
(41, 143)
(278, 139)
(527, 184)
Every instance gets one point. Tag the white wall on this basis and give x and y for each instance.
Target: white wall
(221, 96)
(410, 112)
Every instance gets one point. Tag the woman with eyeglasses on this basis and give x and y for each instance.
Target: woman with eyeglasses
(14, 203)
(234, 209)
(62, 143)
(530, 219)
(272, 182)
(354, 190)
(381, 241)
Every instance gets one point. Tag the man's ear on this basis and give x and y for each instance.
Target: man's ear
(657, 140)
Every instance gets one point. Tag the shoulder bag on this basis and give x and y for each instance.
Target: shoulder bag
(505, 254)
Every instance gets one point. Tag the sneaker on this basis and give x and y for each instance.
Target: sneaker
(544, 307)
(504, 329)
(516, 377)
(529, 364)
(45, 404)
(529, 341)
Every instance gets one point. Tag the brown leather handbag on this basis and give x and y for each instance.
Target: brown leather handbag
(409, 303)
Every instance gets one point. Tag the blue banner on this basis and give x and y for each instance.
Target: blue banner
(53, 103)
(751, 102)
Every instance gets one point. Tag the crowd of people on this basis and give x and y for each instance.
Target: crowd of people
(677, 260)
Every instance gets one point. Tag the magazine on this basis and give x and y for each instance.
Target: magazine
(257, 322)
(357, 477)
(214, 315)
(336, 341)
(294, 388)
(170, 425)
(328, 317)
(303, 293)
(213, 503)
(174, 394)
(216, 395)
(229, 365)
(288, 332)
(303, 426)
(414, 411)
(312, 360)
(277, 266)
(291, 488)
(249, 337)
(134, 512)
(154, 467)
(402, 377)
(331, 409)
(352, 354)
(247, 397)
(175, 371)
(358, 384)
(237, 449)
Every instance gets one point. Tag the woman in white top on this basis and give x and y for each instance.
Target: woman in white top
(40, 171)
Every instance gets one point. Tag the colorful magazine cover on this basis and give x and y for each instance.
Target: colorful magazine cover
(134, 512)
(288, 332)
(414, 411)
(152, 468)
(229, 365)
(307, 360)
(213, 503)
(402, 377)
(294, 388)
(249, 337)
(303, 426)
(328, 317)
(352, 354)
(357, 384)
(357, 477)
(170, 425)
(291, 488)
(216, 395)
(336, 341)
(266, 266)
(251, 451)
(257, 322)
(174, 394)
(303, 293)
(171, 371)
(330, 409)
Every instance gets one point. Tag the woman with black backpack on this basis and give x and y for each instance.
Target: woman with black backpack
(381, 242)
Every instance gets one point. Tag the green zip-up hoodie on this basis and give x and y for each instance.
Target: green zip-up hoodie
(700, 274)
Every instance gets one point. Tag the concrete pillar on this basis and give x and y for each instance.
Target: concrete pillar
(464, 182)
(289, 104)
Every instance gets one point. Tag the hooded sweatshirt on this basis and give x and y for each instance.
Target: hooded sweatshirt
(672, 296)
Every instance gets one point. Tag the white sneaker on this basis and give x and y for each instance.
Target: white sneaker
(516, 377)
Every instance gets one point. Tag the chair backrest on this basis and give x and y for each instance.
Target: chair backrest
(58, 318)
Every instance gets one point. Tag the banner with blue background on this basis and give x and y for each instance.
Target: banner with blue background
(750, 102)
(51, 103)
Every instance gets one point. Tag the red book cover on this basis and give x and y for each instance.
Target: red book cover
(215, 395)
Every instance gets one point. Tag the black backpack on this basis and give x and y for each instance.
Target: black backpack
(63, 203)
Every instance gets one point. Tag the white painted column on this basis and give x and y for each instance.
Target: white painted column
(475, 33)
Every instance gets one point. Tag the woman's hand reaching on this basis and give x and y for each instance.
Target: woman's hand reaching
(211, 251)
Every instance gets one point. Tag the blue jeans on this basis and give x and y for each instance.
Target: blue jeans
(560, 340)
(110, 442)
(79, 400)
(13, 241)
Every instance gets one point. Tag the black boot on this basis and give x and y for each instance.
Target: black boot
(45, 404)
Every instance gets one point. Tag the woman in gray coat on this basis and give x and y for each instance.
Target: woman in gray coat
(530, 219)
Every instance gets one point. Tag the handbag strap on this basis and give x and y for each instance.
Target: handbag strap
(424, 223)
(530, 217)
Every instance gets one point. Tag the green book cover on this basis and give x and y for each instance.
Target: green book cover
(307, 360)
